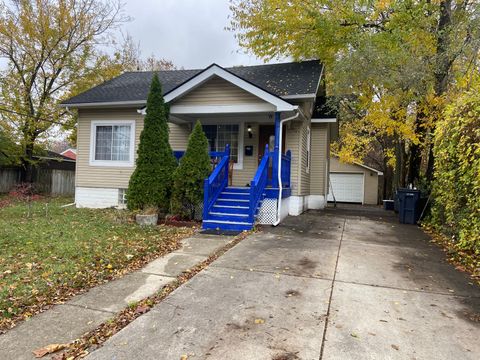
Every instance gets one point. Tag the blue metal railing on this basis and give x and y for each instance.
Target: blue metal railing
(286, 165)
(216, 182)
(258, 184)
(213, 154)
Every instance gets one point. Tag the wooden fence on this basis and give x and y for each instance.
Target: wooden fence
(48, 181)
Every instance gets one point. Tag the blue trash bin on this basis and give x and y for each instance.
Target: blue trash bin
(408, 206)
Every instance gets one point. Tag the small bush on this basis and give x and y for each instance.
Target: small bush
(189, 176)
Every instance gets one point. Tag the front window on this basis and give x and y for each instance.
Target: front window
(112, 143)
(220, 135)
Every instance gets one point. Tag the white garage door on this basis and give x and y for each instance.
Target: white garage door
(346, 187)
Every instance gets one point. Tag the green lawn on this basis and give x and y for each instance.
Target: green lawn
(48, 253)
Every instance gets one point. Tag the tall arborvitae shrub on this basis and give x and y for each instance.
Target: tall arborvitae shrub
(151, 182)
(188, 179)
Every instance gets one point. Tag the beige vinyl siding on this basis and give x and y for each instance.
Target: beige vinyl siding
(292, 144)
(102, 176)
(319, 155)
(304, 179)
(371, 188)
(178, 136)
(370, 185)
(250, 163)
(218, 91)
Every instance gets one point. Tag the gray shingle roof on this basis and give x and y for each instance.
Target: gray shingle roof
(279, 79)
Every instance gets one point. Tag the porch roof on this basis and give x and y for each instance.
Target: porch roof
(287, 81)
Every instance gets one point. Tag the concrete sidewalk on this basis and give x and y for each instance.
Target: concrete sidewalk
(326, 285)
(66, 322)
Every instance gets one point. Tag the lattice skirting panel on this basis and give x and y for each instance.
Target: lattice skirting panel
(268, 212)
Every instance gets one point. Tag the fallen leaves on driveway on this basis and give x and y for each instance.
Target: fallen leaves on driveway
(49, 349)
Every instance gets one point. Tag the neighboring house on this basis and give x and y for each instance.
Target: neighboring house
(353, 183)
(70, 153)
(247, 108)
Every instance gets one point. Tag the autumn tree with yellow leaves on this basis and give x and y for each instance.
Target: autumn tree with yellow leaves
(390, 64)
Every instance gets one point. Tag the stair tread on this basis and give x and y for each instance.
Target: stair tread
(227, 214)
(222, 199)
(227, 222)
(232, 207)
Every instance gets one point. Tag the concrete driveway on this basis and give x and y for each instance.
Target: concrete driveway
(337, 284)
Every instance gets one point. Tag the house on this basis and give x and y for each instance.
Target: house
(353, 183)
(264, 119)
(70, 153)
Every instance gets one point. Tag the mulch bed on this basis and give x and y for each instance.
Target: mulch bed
(179, 223)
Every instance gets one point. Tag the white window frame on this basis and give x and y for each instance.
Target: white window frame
(93, 139)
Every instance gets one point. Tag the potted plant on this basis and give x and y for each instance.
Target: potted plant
(148, 216)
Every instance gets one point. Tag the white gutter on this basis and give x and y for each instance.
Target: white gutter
(280, 185)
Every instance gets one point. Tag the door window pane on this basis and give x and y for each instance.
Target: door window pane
(220, 135)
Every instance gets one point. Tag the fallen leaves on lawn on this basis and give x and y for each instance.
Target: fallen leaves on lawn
(60, 289)
(95, 338)
(49, 349)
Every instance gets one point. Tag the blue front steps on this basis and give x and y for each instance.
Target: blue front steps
(230, 211)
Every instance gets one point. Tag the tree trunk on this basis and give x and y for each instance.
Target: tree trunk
(430, 164)
(27, 161)
(443, 65)
(400, 169)
(414, 162)
(414, 158)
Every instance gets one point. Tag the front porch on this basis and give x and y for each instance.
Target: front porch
(244, 186)
(243, 124)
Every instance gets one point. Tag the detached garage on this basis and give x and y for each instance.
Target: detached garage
(353, 183)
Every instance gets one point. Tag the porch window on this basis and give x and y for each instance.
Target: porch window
(112, 143)
(220, 135)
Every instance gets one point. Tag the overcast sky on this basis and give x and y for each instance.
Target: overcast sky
(188, 32)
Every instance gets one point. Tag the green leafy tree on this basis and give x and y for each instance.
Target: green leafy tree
(188, 179)
(9, 151)
(152, 180)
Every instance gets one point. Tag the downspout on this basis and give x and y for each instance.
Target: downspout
(280, 185)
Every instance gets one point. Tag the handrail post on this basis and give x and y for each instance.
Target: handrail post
(227, 154)
(276, 151)
(205, 199)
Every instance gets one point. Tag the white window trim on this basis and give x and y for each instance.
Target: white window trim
(112, 163)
